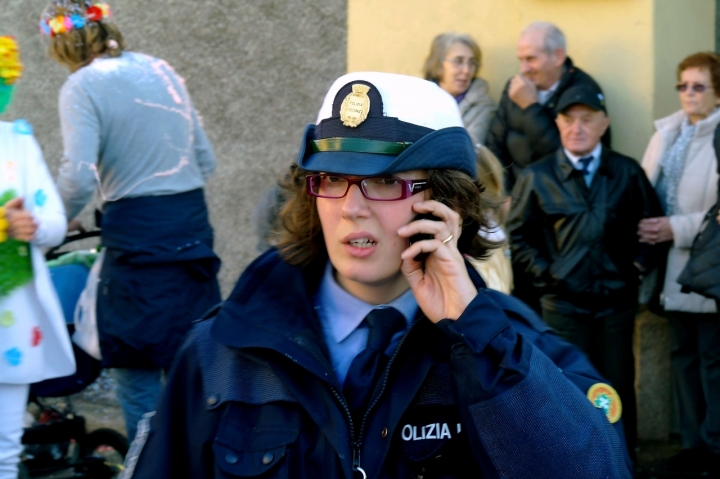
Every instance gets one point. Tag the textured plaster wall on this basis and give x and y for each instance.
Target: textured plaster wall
(257, 71)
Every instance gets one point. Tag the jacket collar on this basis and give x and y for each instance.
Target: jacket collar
(565, 79)
(478, 90)
(565, 168)
(673, 122)
(268, 313)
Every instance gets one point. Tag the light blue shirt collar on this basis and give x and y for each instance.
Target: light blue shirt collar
(341, 315)
(592, 167)
(347, 311)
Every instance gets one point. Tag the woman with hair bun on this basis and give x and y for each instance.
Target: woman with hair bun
(454, 64)
(133, 138)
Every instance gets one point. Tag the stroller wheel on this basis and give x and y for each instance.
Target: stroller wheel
(108, 447)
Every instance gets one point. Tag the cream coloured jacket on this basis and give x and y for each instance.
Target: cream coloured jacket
(697, 192)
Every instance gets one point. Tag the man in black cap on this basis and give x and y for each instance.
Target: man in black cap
(573, 230)
(523, 130)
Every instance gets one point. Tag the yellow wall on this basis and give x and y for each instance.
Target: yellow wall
(628, 46)
(682, 27)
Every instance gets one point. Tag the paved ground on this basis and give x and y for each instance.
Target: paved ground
(97, 403)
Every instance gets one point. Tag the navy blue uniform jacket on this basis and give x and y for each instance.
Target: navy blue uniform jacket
(495, 394)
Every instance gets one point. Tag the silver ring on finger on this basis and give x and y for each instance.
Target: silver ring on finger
(447, 240)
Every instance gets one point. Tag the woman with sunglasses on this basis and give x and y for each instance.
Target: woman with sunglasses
(681, 164)
(356, 349)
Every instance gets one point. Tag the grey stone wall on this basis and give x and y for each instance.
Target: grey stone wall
(257, 71)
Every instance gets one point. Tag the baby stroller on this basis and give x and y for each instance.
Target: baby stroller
(58, 444)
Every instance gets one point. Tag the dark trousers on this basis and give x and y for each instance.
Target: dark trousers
(608, 341)
(695, 356)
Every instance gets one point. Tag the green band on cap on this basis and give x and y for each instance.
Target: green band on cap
(359, 145)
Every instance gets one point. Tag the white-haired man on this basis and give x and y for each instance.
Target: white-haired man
(523, 129)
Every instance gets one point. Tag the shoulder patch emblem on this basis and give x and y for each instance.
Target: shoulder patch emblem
(356, 106)
(604, 397)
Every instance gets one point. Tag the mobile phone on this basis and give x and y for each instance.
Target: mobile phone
(423, 236)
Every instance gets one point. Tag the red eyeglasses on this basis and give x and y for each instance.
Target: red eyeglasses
(381, 188)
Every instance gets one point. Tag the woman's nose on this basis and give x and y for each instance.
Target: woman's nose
(354, 202)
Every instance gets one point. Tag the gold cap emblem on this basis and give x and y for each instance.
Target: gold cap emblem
(355, 107)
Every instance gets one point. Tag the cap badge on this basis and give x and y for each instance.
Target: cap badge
(355, 107)
(604, 397)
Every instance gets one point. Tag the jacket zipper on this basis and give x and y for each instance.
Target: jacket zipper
(341, 399)
(357, 441)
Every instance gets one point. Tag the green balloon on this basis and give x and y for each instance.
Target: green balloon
(6, 93)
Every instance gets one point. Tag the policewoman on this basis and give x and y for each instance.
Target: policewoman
(348, 352)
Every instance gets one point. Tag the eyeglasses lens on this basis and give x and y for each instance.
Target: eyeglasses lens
(696, 87)
(373, 188)
(330, 186)
(459, 62)
(383, 188)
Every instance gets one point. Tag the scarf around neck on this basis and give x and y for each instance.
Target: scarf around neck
(672, 164)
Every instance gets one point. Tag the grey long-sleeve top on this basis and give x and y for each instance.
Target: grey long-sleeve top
(129, 129)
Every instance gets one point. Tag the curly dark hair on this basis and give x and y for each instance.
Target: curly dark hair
(299, 237)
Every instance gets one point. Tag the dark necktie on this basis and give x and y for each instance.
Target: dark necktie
(367, 367)
(585, 163)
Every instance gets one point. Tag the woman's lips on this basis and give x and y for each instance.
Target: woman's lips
(360, 246)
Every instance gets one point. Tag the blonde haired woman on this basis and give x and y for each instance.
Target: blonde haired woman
(496, 269)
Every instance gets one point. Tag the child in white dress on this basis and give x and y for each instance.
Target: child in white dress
(34, 343)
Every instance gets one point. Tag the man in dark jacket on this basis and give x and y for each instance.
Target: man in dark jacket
(523, 130)
(291, 377)
(573, 230)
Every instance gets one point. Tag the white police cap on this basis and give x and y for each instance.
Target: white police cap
(374, 123)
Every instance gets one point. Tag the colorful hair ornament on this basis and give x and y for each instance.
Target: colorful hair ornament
(10, 66)
(59, 24)
(77, 21)
(94, 13)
